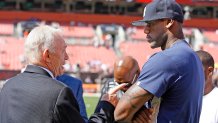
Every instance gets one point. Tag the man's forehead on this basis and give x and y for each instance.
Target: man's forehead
(122, 73)
(120, 63)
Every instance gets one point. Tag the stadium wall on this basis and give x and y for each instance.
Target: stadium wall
(94, 18)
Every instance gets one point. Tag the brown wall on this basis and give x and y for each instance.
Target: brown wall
(67, 17)
(202, 23)
(94, 18)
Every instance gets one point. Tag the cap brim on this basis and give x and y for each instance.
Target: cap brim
(139, 23)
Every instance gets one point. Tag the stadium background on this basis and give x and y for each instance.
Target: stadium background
(97, 32)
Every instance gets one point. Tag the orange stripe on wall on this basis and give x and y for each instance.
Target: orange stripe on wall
(95, 18)
(67, 17)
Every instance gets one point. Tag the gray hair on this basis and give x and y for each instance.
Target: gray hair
(39, 39)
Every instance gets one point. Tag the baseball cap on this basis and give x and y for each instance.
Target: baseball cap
(161, 9)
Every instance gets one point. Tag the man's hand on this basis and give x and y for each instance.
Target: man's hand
(111, 96)
(144, 115)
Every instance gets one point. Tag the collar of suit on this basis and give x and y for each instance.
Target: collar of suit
(39, 70)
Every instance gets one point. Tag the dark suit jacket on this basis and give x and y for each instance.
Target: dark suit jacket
(34, 97)
(104, 113)
(76, 87)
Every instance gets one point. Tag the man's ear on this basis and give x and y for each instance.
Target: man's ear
(138, 73)
(210, 70)
(46, 55)
(169, 23)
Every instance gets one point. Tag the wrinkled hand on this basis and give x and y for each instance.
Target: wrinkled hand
(111, 95)
(144, 115)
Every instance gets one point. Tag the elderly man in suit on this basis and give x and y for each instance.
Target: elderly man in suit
(34, 96)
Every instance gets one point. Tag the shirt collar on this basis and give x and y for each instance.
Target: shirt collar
(49, 72)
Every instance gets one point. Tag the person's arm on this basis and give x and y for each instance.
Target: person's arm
(105, 109)
(105, 114)
(144, 115)
(104, 90)
(130, 103)
(66, 108)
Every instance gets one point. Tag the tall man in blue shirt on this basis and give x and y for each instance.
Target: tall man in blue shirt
(175, 74)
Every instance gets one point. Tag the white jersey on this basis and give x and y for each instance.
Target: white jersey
(209, 112)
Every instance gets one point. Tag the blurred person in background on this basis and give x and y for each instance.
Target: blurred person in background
(209, 112)
(215, 78)
(175, 74)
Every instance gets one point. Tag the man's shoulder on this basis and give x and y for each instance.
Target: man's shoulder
(36, 85)
(179, 53)
(158, 60)
(35, 80)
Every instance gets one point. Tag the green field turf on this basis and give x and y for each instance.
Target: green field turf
(90, 102)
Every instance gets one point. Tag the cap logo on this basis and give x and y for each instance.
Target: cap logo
(160, 9)
(144, 12)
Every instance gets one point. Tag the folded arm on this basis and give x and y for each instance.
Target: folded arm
(130, 103)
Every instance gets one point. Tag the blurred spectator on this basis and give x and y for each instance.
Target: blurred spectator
(96, 41)
(88, 80)
(95, 65)
(67, 66)
(215, 78)
(76, 68)
(130, 31)
(25, 33)
(55, 25)
(107, 40)
(187, 14)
